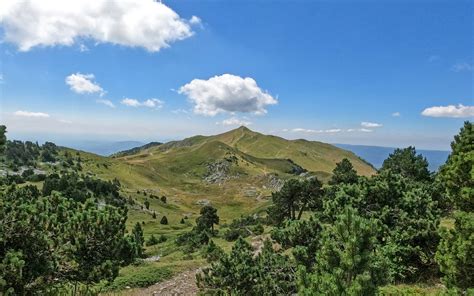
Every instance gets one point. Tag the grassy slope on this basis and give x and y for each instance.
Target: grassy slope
(312, 155)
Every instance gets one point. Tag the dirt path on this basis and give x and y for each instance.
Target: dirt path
(182, 284)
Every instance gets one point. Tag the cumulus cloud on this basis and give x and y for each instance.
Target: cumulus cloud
(150, 103)
(31, 114)
(462, 66)
(235, 121)
(106, 103)
(396, 114)
(148, 24)
(84, 84)
(452, 111)
(370, 124)
(227, 93)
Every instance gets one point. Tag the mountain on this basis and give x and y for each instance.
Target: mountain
(135, 149)
(376, 155)
(237, 156)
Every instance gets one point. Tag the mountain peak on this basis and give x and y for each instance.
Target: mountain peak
(243, 128)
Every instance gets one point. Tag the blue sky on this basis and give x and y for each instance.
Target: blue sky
(387, 73)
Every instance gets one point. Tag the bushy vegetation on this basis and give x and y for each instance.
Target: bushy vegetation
(72, 231)
(455, 253)
(388, 231)
(244, 227)
(242, 273)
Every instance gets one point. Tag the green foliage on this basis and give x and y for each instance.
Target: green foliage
(81, 187)
(243, 227)
(295, 197)
(207, 219)
(138, 239)
(457, 175)
(213, 252)
(303, 236)
(164, 220)
(344, 173)
(3, 138)
(407, 215)
(242, 273)
(53, 239)
(455, 253)
(348, 262)
(408, 164)
(153, 240)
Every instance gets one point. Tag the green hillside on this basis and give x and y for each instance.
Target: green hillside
(248, 153)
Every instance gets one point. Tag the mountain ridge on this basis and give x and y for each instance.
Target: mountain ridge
(312, 156)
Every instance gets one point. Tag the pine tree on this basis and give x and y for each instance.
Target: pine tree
(457, 175)
(164, 220)
(138, 239)
(207, 219)
(455, 253)
(408, 164)
(344, 173)
(347, 262)
(3, 139)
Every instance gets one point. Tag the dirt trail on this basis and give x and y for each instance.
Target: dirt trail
(184, 283)
(181, 284)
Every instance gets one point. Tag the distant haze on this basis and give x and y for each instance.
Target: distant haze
(104, 148)
(376, 154)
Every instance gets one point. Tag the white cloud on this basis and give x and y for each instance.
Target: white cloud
(462, 66)
(131, 102)
(150, 103)
(83, 48)
(178, 111)
(452, 111)
(227, 93)
(84, 84)
(396, 114)
(194, 20)
(235, 121)
(365, 130)
(106, 103)
(65, 121)
(146, 23)
(370, 124)
(31, 114)
(312, 131)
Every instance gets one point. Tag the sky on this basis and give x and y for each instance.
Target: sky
(386, 73)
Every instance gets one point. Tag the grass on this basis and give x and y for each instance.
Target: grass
(415, 289)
